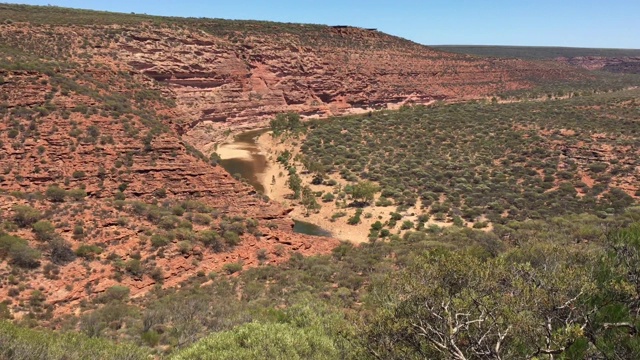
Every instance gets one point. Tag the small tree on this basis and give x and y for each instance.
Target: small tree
(309, 200)
(24, 215)
(24, 256)
(55, 193)
(44, 230)
(232, 267)
(295, 184)
(364, 191)
(61, 252)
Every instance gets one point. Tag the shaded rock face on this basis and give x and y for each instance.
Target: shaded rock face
(625, 64)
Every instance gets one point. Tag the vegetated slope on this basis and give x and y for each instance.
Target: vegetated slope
(573, 274)
(611, 60)
(224, 73)
(480, 161)
(98, 189)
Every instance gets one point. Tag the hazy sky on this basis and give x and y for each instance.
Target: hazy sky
(581, 23)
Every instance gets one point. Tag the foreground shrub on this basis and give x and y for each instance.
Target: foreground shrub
(264, 341)
(20, 343)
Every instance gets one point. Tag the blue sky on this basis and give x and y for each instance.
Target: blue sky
(580, 23)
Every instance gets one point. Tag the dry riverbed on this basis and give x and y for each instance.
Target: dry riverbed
(274, 180)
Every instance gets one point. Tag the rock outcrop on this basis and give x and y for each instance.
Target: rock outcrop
(624, 64)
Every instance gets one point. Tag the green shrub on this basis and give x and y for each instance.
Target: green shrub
(88, 251)
(25, 215)
(151, 337)
(6, 241)
(185, 247)
(211, 239)
(61, 252)
(78, 174)
(44, 230)
(55, 193)
(328, 197)
(231, 238)
(23, 343)
(406, 225)
(265, 341)
(78, 231)
(232, 267)
(77, 194)
(202, 219)
(24, 256)
(134, 267)
(160, 193)
(158, 240)
(114, 293)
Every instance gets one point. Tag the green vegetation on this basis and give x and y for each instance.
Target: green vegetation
(300, 334)
(25, 215)
(21, 343)
(18, 251)
(44, 230)
(398, 299)
(507, 161)
(535, 52)
(286, 123)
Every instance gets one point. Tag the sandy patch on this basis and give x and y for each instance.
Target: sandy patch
(274, 180)
(234, 151)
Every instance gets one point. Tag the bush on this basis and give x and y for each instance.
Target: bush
(24, 256)
(114, 293)
(44, 230)
(88, 251)
(77, 194)
(158, 240)
(55, 193)
(61, 252)
(328, 197)
(78, 231)
(23, 343)
(231, 238)
(25, 215)
(266, 341)
(211, 239)
(598, 167)
(134, 267)
(157, 274)
(354, 220)
(160, 193)
(202, 219)
(480, 225)
(185, 247)
(406, 225)
(6, 241)
(232, 267)
(78, 174)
